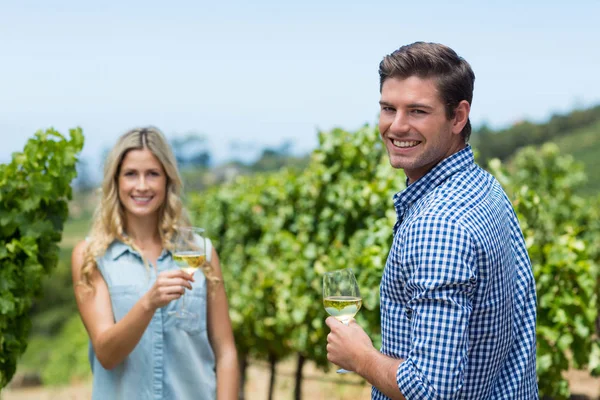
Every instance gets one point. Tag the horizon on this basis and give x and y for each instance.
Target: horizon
(255, 76)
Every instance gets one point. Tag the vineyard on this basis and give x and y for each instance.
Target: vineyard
(277, 233)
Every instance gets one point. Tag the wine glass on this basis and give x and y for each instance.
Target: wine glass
(189, 254)
(341, 297)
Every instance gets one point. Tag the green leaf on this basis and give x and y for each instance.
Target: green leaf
(34, 191)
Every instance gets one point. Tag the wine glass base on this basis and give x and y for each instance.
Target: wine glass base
(343, 371)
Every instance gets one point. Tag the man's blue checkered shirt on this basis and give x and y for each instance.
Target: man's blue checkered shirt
(458, 300)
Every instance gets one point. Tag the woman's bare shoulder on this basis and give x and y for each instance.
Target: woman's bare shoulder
(78, 255)
(80, 247)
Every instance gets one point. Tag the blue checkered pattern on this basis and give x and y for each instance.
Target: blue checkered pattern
(458, 300)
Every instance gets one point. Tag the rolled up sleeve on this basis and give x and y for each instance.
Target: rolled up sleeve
(442, 279)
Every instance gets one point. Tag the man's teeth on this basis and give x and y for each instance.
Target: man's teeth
(399, 143)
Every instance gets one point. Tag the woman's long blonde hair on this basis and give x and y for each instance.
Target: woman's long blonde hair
(108, 221)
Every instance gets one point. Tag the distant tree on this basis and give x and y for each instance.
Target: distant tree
(242, 151)
(85, 181)
(191, 151)
(273, 159)
(503, 143)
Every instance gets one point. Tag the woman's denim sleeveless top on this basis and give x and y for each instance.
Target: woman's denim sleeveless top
(173, 360)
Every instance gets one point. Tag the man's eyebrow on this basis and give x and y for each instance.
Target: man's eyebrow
(411, 105)
(420, 105)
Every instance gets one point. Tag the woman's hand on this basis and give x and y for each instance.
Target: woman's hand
(170, 285)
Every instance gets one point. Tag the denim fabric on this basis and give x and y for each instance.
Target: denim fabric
(174, 359)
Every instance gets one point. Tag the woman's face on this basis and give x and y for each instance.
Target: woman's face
(142, 183)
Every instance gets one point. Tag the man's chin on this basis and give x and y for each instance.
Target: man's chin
(398, 163)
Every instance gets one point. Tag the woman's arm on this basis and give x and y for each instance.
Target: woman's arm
(114, 341)
(220, 334)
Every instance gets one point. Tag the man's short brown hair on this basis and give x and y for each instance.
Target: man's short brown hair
(454, 76)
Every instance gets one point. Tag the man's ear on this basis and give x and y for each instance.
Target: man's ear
(461, 116)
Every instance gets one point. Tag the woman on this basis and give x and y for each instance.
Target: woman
(127, 284)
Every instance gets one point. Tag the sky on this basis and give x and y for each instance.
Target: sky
(250, 75)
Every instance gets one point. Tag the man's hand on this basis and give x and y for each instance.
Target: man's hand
(352, 349)
(347, 345)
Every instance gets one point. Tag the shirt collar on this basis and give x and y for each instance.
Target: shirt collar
(449, 166)
(118, 248)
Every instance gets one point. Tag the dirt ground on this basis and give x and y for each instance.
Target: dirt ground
(316, 386)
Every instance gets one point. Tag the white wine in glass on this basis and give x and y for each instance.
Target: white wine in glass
(189, 254)
(341, 297)
(189, 261)
(342, 308)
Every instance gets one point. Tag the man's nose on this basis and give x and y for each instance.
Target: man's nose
(400, 123)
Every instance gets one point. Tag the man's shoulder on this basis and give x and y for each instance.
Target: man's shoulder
(469, 188)
(466, 201)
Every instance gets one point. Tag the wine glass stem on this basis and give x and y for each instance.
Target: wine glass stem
(183, 300)
(342, 370)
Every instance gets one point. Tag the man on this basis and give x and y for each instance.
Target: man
(458, 302)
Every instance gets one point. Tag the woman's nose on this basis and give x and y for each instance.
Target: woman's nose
(141, 183)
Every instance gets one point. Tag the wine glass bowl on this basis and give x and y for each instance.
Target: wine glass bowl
(189, 254)
(341, 296)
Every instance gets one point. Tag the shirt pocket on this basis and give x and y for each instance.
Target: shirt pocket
(195, 301)
(123, 298)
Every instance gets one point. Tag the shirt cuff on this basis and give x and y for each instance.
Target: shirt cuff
(411, 382)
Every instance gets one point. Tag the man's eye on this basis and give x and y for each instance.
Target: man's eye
(417, 111)
(387, 109)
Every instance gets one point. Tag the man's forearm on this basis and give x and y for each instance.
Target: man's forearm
(380, 371)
